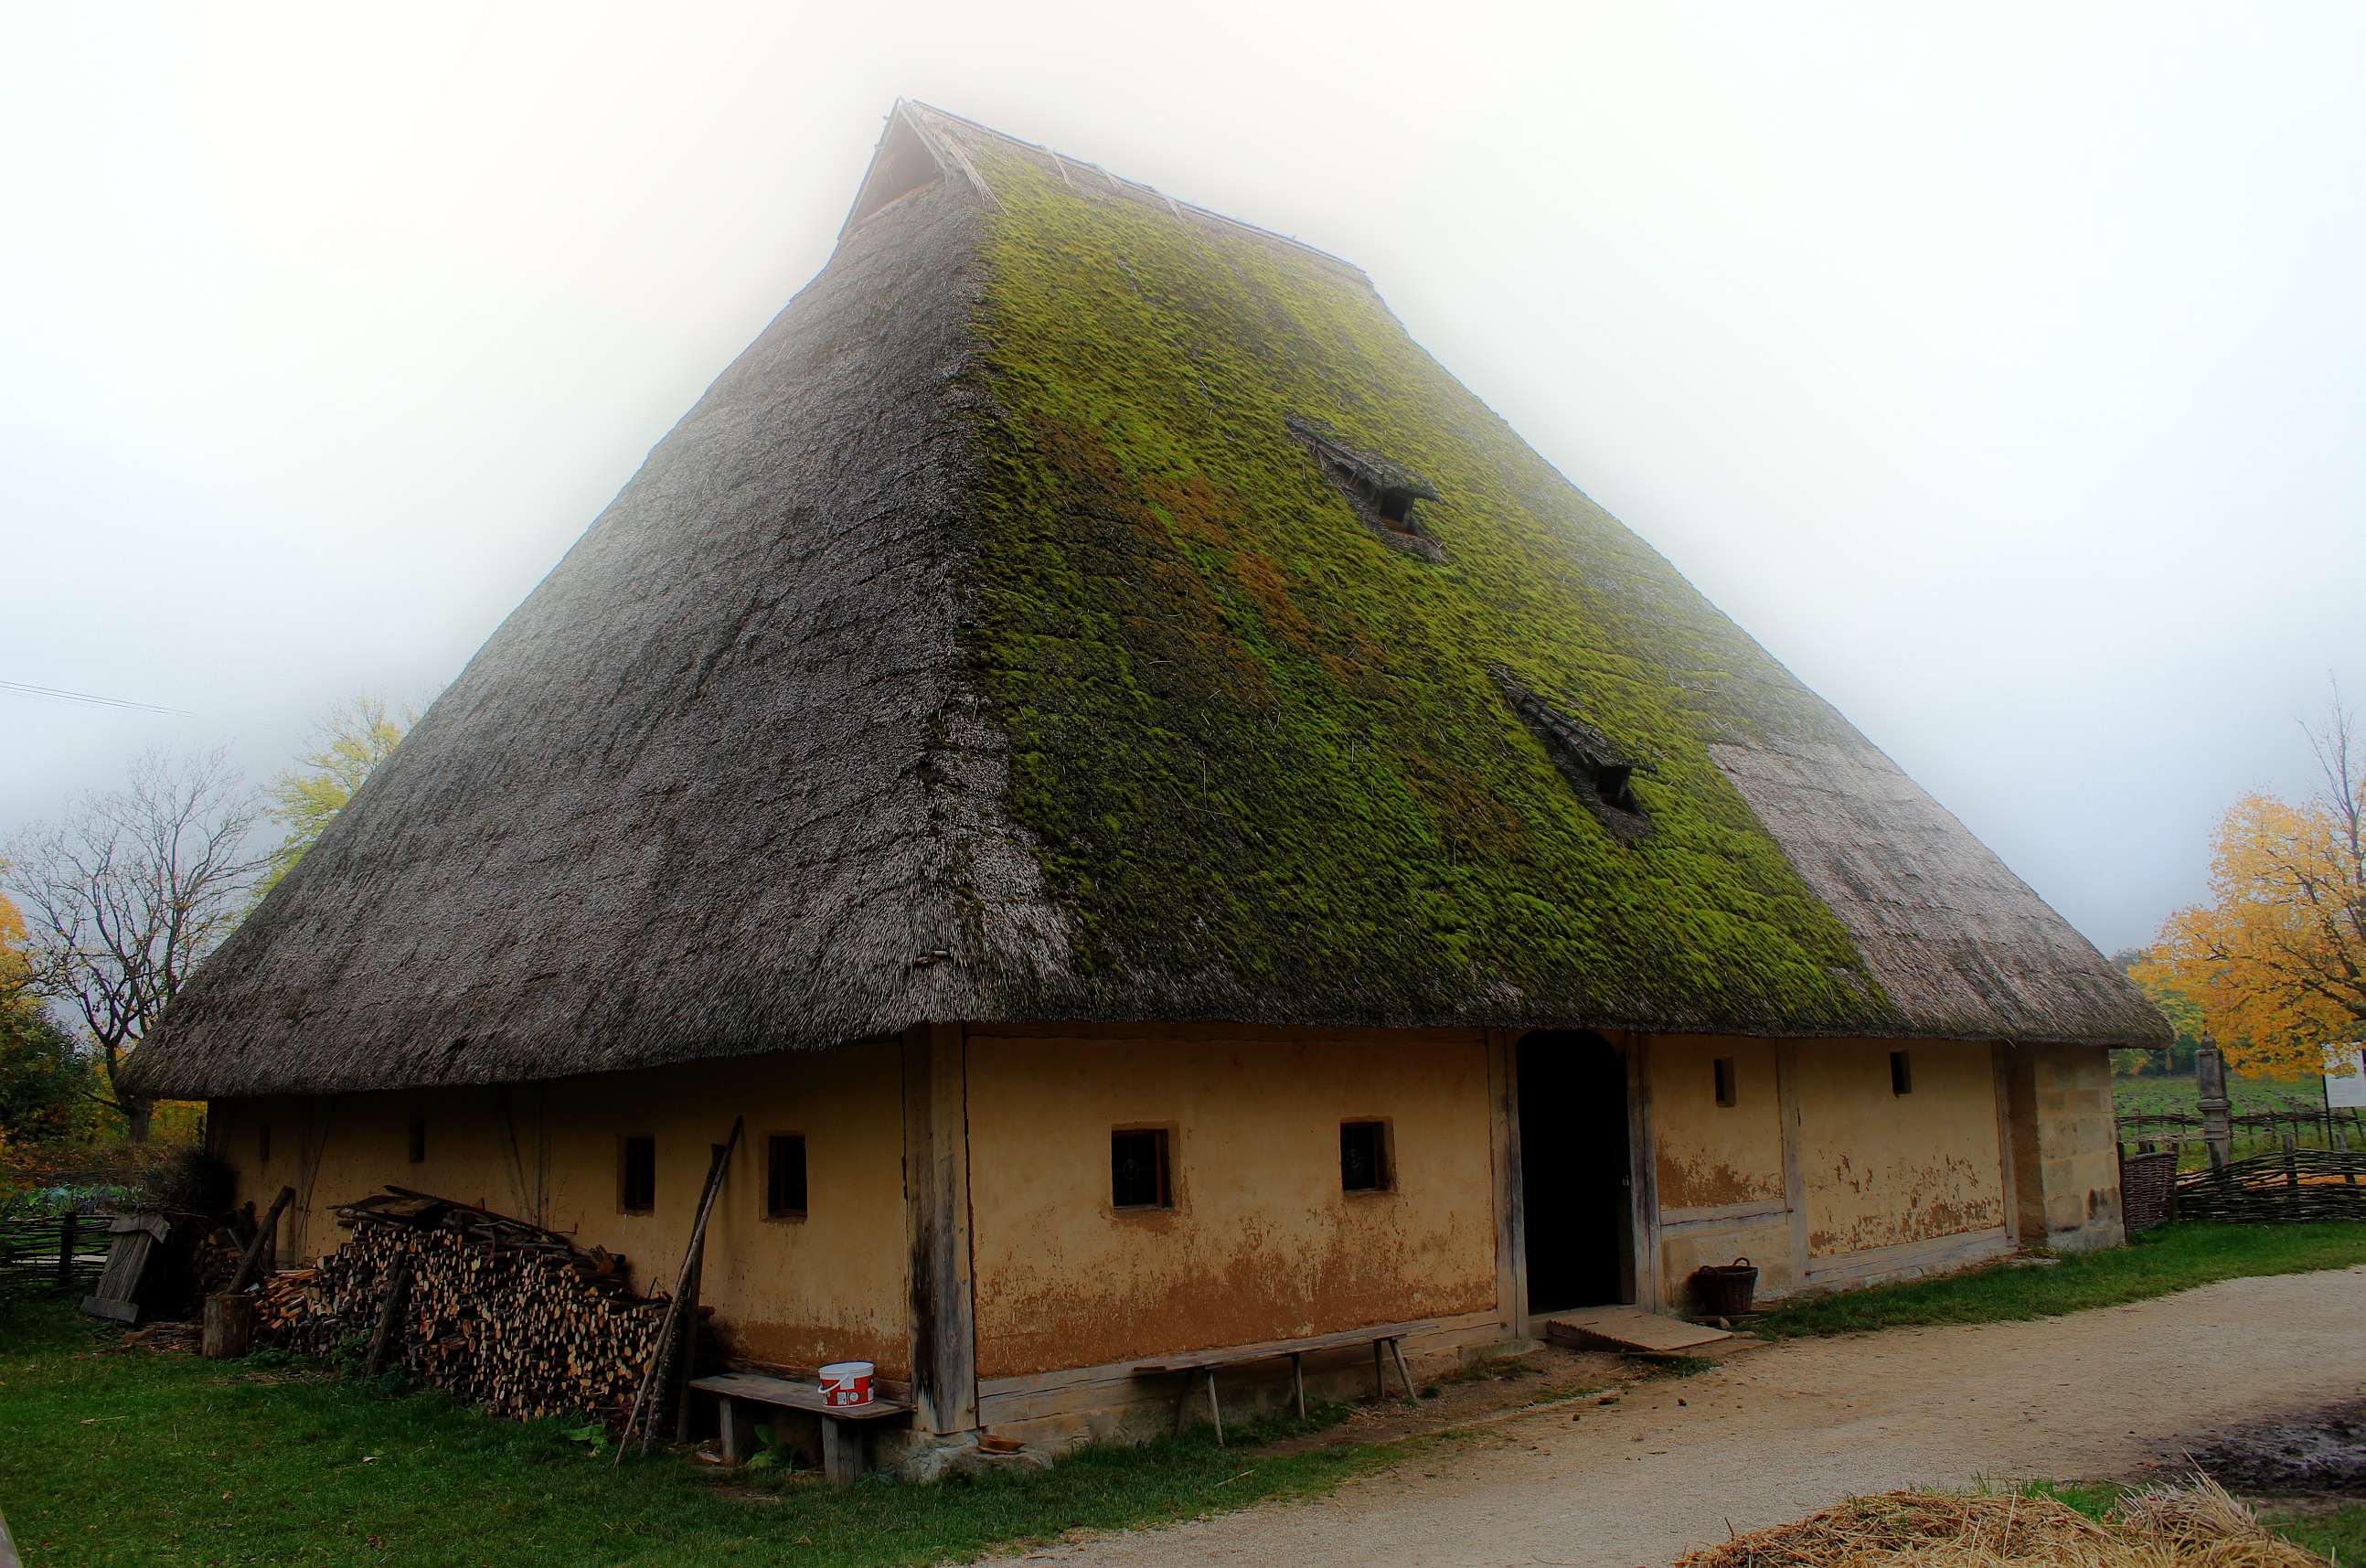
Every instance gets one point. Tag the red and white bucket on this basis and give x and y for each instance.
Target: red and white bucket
(846, 1382)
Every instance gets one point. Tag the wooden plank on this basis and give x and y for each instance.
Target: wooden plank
(1511, 1215)
(1642, 1267)
(841, 1453)
(1041, 1396)
(1235, 1355)
(937, 1220)
(2007, 1181)
(795, 1396)
(1791, 1116)
(1630, 1328)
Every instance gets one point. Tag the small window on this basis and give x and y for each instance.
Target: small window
(636, 1181)
(1138, 1176)
(262, 1144)
(1901, 1073)
(784, 1176)
(1363, 1157)
(1726, 1092)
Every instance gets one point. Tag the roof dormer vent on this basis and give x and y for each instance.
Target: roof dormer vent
(1600, 775)
(1379, 493)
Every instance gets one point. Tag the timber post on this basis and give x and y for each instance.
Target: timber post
(937, 1226)
(2210, 1087)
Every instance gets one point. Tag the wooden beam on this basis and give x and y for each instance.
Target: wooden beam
(1510, 1214)
(2008, 1187)
(1789, 1113)
(1643, 1184)
(937, 1228)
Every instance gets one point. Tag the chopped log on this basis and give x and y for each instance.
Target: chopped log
(229, 1327)
(390, 1316)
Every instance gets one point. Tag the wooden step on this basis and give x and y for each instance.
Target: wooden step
(1627, 1328)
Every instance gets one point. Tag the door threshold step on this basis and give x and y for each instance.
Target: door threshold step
(1627, 1328)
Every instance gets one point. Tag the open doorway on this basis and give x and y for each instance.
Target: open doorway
(1576, 1180)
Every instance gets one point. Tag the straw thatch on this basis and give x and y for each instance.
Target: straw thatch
(1003, 636)
(2192, 1524)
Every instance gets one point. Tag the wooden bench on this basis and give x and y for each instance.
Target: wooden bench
(845, 1428)
(1387, 1341)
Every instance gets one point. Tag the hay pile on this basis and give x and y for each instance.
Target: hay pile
(2191, 1525)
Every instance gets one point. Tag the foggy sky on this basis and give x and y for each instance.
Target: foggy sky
(2000, 368)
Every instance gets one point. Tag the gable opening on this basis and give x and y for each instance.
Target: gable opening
(902, 166)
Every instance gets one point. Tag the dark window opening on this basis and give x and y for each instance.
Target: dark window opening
(262, 1144)
(419, 1140)
(636, 1176)
(1726, 1092)
(1901, 1073)
(784, 1176)
(1396, 510)
(1138, 1174)
(1363, 1157)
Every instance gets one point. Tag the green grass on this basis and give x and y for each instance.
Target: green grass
(113, 1457)
(2176, 1095)
(2176, 1258)
(2338, 1535)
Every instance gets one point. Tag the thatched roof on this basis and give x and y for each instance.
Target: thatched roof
(1015, 632)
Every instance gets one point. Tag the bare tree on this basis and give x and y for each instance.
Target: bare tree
(125, 895)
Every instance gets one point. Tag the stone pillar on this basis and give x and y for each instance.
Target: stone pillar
(2066, 1153)
(2210, 1082)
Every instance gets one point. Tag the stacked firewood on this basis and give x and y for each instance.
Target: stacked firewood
(498, 1312)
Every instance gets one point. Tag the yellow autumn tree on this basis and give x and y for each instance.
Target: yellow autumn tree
(305, 798)
(2276, 958)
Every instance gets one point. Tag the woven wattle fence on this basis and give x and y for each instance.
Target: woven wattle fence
(2284, 1186)
(2148, 1190)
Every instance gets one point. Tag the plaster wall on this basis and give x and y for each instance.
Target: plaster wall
(1882, 1169)
(1710, 1155)
(1261, 1244)
(2066, 1145)
(792, 1292)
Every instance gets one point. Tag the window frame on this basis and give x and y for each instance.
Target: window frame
(773, 1146)
(1163, 1139)
(625, 1142)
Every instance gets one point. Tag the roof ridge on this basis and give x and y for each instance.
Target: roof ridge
(1055, 153)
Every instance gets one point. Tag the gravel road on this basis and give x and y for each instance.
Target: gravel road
(1781, 1431)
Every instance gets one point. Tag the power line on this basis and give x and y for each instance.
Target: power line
(88, 698)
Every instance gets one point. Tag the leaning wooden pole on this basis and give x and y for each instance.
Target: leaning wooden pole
(661, 1359)
(253, 1261)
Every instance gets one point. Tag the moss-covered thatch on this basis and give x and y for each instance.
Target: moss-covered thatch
(1016, 631)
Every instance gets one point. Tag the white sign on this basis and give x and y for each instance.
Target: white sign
(2345, 1078)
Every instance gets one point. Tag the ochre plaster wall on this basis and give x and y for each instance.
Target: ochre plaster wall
(2066, 1145)
(1261, 1243)
(794, 1291)
(1711, 1155)
(1882, 1168)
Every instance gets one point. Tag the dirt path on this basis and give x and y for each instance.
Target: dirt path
(1786, 1429)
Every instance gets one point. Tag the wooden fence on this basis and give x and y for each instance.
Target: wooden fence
(2286, 1185)
(51, 1252)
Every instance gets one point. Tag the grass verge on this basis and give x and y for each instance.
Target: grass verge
(2336, 1534)
(2175, 1258)
(116, 1457)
